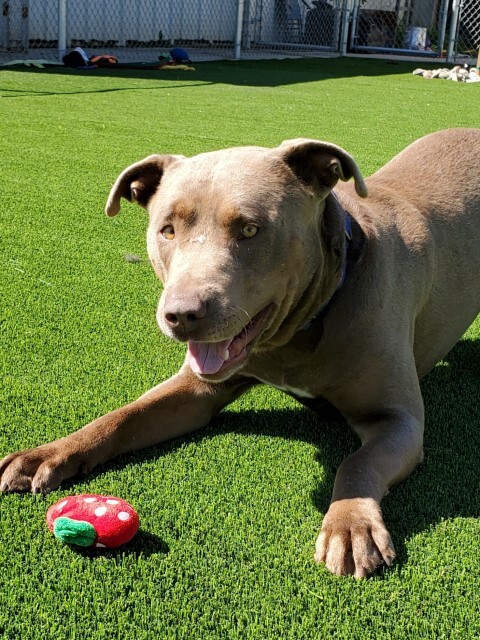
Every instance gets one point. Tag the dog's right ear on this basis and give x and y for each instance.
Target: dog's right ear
(138, 182)
(319, 165)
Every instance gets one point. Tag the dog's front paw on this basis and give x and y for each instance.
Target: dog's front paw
(37, 470)
(354, 539)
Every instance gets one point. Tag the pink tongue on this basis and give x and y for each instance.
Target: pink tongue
(207, 357)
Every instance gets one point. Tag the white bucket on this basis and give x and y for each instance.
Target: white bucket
(416, 38)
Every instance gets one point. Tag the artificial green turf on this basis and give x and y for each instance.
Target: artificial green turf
(229, 516)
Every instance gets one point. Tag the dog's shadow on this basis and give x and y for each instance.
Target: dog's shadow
(444, 486)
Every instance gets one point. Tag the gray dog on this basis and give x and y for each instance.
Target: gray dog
(271, 277)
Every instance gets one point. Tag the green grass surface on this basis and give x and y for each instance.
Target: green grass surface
(229, 517)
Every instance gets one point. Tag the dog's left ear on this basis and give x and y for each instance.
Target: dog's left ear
(320, 165)
(138, 182)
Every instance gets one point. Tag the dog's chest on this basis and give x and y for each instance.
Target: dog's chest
(292, 371)
(287, 388)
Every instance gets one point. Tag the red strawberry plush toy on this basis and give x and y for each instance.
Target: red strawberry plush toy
(92, 520)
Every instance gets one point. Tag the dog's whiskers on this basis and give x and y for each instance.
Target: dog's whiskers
(244, 330)
(246, 313)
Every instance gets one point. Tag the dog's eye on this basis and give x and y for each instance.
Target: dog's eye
(249, 230)
(168, 232)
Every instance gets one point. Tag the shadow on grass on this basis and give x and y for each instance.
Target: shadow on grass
(258, 73)
(144, 544)
(444, 486)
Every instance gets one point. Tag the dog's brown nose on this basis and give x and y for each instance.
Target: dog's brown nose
(182, 311)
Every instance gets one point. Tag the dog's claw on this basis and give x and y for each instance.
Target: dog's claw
(36, 470)
(354, 539)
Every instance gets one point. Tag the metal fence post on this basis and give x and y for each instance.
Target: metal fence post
(239, 30)
(62, 28)
(346, 15)
(453, 29)
(354, 29)
(442, 29)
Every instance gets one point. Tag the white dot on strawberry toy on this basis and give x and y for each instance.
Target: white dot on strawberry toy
(123, 515)
(100, 511)
(89, 500)
(112, 501)
(62, 504)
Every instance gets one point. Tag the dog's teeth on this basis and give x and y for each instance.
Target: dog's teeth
(226, 355)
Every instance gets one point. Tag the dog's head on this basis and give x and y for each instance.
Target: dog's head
(244, 241)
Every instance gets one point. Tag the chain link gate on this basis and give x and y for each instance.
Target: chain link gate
(401, 26)
(144, 29)
(293, 25)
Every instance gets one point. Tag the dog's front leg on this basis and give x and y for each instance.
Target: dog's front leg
(354, 539)
(180, 405)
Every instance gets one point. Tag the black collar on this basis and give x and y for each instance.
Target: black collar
(346, 247)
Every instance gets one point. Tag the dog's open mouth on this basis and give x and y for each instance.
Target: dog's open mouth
(209, 358)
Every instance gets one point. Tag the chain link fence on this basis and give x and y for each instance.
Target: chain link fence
(402, 25)
(292, 25)
(467, 35)
(146, 29)
(128, 29)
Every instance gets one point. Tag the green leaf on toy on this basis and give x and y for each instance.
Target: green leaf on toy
(76, 532)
